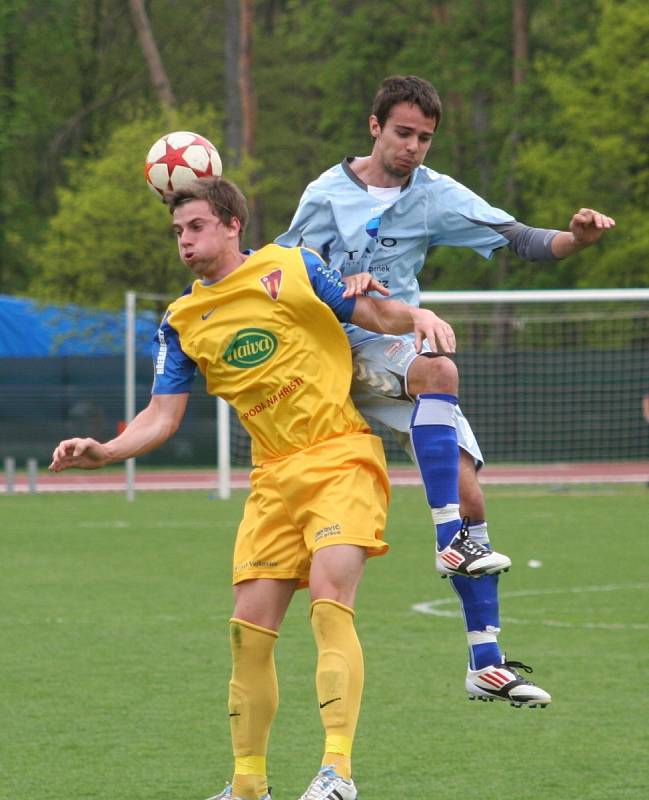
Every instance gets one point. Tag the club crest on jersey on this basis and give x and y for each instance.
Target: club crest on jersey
(250, 347)
(272, 283)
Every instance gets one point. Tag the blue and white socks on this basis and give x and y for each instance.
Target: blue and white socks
(480, 608)
(434, 443)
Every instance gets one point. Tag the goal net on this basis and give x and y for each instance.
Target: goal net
(552, 376)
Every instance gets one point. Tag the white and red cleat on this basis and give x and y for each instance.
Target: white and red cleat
(502, 682)
(464, 556)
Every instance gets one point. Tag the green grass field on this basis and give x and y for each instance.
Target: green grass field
(114, 657)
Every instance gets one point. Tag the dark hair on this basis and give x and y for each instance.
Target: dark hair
(406, 89)
(226, 200)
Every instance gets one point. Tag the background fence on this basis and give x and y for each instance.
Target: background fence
(539, 384)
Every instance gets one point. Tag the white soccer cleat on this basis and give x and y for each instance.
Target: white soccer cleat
(464, 556)
(328, 785)
(226, 794)
(502, 682)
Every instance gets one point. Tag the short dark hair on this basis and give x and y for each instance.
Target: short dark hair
(225, 199)
(406, 89)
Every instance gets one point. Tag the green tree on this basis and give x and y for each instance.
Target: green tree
(61, 73)
(70, 74)
(593, 149)
(571, 133)
(321, 92)
(292, 43)
(111, 233)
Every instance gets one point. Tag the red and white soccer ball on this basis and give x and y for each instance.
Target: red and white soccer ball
(179, 158)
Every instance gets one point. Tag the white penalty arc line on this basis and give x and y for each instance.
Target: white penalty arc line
(435, 607)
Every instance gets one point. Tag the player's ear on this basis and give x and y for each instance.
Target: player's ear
(375, 128)
(234, 227)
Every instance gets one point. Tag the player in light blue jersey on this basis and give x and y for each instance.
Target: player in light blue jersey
(375, 218)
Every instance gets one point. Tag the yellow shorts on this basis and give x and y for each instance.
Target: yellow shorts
(335, 492)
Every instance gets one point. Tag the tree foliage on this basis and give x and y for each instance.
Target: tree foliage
(70, 74)
(111, 233)
(593, 149)
(79, 111)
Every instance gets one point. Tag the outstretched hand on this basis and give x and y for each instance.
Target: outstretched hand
(79, 453)
(588, 225)
(362, 283)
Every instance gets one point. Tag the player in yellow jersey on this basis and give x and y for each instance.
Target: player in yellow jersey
(264, 330)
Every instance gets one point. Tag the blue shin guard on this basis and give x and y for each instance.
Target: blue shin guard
(480, 609)
(434, 443)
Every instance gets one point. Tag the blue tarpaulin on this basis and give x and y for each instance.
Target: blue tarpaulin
(29, 328)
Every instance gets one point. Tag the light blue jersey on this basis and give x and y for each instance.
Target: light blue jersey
(357, 232)
(388, 233)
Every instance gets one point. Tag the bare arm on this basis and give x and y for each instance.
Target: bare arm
(586, 227)
(150, 428)
(391, 316)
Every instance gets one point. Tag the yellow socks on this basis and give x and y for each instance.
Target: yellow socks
(339, 680)
(252, 704)
(254, 694)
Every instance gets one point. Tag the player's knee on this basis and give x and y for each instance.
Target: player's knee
(437, 375)
(263, 602)
(336, 573)
(331, 587)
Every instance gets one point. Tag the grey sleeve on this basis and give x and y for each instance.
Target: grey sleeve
(532, 244)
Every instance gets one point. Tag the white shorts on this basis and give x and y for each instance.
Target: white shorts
(380, 388)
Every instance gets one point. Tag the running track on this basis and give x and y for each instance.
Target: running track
(552, 474)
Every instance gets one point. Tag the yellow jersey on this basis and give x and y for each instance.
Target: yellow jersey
(268, 340)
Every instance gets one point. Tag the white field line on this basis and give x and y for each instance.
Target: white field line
(435, 607)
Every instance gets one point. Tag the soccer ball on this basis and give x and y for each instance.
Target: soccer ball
(179, 158)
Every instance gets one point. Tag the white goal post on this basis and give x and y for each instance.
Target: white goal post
(547, 376)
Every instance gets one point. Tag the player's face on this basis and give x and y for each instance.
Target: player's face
(203, 240)
(404, 140)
